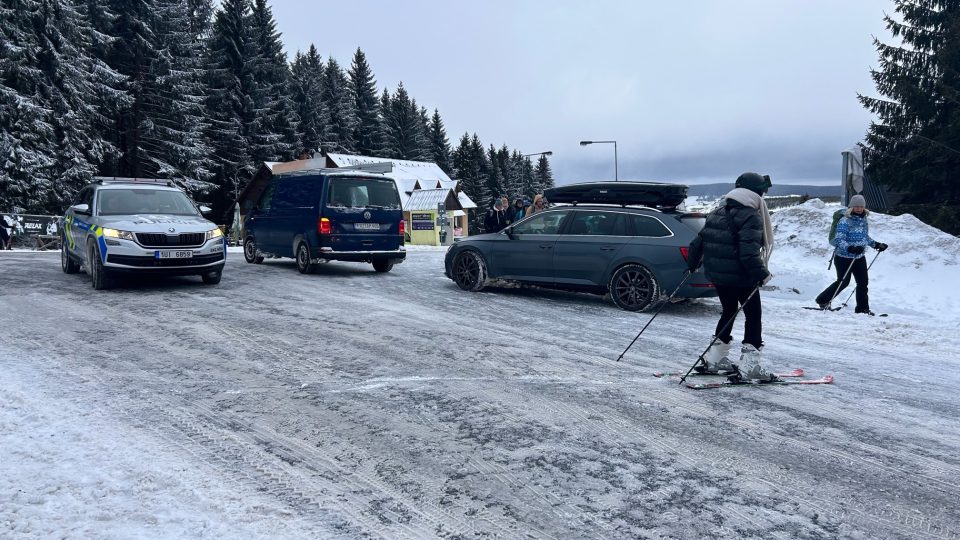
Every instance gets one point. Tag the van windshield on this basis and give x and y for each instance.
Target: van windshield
(351, 192)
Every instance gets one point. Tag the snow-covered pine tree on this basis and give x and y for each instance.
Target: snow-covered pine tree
(914, 146)
(367, 131)
(305, 85)
(402, 134)
(273, 135)
(229, 104)
(49, 110)
(543, 174)
(439, 145)
(338, 104)
(531, 185)
(495, 180)
(467, 169)
(518, 183)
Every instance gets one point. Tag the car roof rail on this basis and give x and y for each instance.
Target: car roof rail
(374, 168)
(125, 180)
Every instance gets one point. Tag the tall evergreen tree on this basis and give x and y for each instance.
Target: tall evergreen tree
(51, 91)
(438, 143)
(543, 174)
(914, 145)
(338, 103)
(273, 134)
(403, 136)
(468, 169)
(306, 81)
(495, 180)
(367, 133)
(230, 108)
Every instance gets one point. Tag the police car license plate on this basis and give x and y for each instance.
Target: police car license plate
(366, 226)
(173, 254)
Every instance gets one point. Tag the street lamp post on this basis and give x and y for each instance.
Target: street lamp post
(547, 153)
(616, 172)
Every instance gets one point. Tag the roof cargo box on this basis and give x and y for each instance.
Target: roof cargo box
(651, 194)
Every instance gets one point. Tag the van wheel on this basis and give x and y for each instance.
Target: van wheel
(69, 265)
(382, 266)
(634, 288)
(250, 252)
(304, 264)
(99, 277)
(470, 271)
(212, 278)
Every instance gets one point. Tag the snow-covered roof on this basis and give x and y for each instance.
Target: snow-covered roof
(428, 199)
(465, 201)
(402, 169)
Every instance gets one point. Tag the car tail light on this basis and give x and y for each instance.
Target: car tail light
(403, 227)
(324, 226)
(685, 251)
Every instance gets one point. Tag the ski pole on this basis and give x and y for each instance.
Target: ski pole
(837, 290)
(855, 288)
(725, 329)
(687, 275)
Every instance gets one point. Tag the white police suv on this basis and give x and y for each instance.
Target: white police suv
(139, 225)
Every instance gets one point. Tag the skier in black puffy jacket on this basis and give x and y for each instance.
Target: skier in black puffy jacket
(734, 247)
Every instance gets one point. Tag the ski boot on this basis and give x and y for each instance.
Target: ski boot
(749, 369)
(716, 360)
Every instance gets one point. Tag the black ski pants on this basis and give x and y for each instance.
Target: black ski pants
(844, 270)
(731, 298)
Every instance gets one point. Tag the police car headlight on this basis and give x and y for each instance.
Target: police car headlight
(215, 233)
(114, 233)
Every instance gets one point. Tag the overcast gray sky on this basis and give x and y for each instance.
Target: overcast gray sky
(700, 90)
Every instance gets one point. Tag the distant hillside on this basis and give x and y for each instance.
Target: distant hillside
(716, 190)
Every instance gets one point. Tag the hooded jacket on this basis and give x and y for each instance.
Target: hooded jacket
(730, 246)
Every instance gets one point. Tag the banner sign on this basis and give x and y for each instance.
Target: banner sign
(422, 221)
(30, 225)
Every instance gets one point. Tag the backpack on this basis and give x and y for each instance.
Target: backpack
(833, 226)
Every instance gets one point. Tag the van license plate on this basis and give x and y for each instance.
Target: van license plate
(173, 254)
(366, 226)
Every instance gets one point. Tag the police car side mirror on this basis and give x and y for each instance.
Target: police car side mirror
(205, 210)
(82, 208)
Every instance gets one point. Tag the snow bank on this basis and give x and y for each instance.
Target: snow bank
(912, 276)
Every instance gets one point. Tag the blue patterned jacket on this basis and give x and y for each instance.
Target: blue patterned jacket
(852, 230)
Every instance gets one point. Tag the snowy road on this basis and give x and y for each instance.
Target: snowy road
(350, 404)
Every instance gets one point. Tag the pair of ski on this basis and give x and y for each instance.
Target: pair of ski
(790, 377)
(836, 309)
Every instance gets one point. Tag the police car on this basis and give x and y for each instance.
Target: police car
(139, 225)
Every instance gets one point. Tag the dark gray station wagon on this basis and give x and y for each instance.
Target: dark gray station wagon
(637, 254)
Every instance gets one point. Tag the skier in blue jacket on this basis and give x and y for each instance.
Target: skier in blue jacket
(851, 240)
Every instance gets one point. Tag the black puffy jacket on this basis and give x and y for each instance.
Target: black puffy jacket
(731, 255)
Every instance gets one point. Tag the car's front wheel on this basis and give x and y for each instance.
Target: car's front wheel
(212, 278)
(469, 271)
(633, 287)
(99, 277)
(250, 252)
(69, 265)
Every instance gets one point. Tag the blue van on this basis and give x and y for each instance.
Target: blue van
(325, 216)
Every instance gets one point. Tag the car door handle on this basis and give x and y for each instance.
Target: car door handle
(608, 248)
(546, 246)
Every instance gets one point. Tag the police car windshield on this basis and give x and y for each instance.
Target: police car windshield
(363, 193)
(128, 201)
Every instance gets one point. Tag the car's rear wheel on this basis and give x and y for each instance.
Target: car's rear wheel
(382, 265)
(212, 278)
(99, 277)
(304, 262)
(633, 287)
(469, 271)
(250, 252)
(69, 265)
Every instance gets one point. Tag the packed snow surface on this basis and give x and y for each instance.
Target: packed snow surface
(350, 404)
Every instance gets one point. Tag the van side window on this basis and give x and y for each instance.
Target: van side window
(649, 227)
(267, 198)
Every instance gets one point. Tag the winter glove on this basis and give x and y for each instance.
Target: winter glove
(879, 246)
(856, 250)
(766, 280)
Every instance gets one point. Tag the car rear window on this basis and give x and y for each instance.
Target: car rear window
(363, 193)
(130, 201)
(648, 226)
